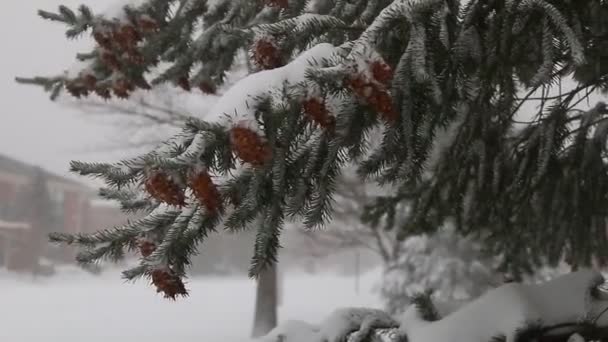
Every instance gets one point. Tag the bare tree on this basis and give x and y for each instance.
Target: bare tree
(347, 230)
(145, 119)
(157, 107)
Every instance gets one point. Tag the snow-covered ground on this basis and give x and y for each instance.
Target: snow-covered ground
(76, 307)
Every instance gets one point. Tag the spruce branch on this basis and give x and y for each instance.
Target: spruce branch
(422, 70)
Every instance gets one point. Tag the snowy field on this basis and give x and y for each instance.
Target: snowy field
(77, 307)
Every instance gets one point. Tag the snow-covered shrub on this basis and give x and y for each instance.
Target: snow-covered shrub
(510, 312)
(452, 266)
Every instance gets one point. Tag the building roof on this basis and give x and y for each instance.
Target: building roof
(11, 165)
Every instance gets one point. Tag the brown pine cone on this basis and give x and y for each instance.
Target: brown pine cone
(90, 81)
(317, 111)
(122, 88)
(104, 40)
(168, 283)
(205, 191)
(266, 54)
(184, 83)
(135, 57)
(104, 93)
(249, 146)
(130, 34)
(206, 87)
(384, 105)
(147, 24)
(161, 187)
(382, 72)
(110, 60)
(375, 96)
(146, 247)
(76, 89)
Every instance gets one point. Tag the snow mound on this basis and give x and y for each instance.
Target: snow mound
(500, 312)
(504, 310)
(356, 323)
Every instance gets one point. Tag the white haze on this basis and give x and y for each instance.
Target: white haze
(34, 129)
(77, 307)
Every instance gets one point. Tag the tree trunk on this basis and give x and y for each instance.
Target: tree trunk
(265, 318)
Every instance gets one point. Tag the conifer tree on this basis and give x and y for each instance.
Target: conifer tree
(327, 73)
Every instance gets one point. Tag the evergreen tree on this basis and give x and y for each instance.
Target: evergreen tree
(329, 73)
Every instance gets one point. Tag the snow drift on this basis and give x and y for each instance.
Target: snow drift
(502, 312)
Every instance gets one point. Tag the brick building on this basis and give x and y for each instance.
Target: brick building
(75, 208)
(23, 238)
(103, 214)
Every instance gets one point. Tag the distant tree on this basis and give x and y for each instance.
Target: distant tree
(347, 230)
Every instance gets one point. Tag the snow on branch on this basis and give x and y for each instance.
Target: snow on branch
(511, 311)
(302, 25)
(397, 9)
(238, 105)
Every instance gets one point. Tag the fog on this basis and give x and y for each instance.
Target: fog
(75, 307)
(34, 129)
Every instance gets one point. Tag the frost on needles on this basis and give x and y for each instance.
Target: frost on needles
(531, 185)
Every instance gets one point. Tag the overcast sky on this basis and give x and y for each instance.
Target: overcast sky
(33, 129)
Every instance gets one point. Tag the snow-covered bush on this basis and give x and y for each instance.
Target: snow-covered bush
(452, 266)
(567, 307)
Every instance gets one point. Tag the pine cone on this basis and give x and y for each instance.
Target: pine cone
(206, 191)
(249, 146)
(382, 72)
(356, 83)
(167, 282)
(104, 93)
(184, 83)
(90, 81)
(317, 111)
(147, 24)
(161, 187)
(206, 87)
(361, 87)
(375, 96)
(146, 247)
(383, 104)
(119, 40)
(135, 57)
(130, 35)
(76, 89)
(266, 55)
(122, 88)
(110, 60)
(102, 39)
